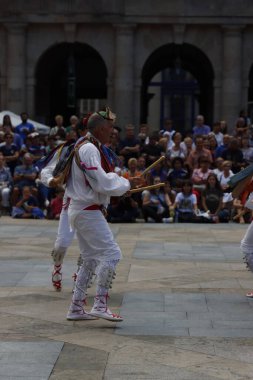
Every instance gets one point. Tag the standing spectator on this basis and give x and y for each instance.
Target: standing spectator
(25, 127)
(198, 152)
(5, 184)
(223, 179)
(10, 151)
(168, 129)
(73, 124)
(7, 127)
(212, 145)
(130, 146)
(200, 128)
(234, 154)
(58, 131)
(217, 133)
(224, 127)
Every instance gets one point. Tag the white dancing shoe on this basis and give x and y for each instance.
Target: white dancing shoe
(100, 310)
(79, 315)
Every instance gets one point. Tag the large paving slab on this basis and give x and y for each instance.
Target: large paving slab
(180, 287)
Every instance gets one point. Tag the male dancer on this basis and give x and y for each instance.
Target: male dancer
(65, 234)
(90, 190)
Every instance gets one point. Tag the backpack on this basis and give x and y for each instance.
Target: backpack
(66, 152)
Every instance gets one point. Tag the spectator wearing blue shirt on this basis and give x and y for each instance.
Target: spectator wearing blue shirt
(25, 128)
(201, 128)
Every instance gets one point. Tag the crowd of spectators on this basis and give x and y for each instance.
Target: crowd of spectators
(195, 172)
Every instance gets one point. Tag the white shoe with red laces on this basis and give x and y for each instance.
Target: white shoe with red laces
(77, 313)
(100, 310)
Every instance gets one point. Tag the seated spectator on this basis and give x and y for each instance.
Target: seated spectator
(199, 151)
(200, 175)
(169, 198)
(24, 175)
(36, 149)
(132, 169)
(185, 205)
(234, 154)
(240, 213)
(163, 142)
(5, 185)
(141, 164)
(177, 174)
(143, 135)
(122, 210)
(220, 149)
(51, 144)
(187, 145)
(27, 206)
(114, 141)
(176, 150)
(154, 205)
(153, 150)
(241, 127)
(25, 128)
(10, 151)
(212, 200)
(212, 145)
(218, 166)
(159, 171)
(129, 146)
(247, 150)
(56, 203)
(223, 179)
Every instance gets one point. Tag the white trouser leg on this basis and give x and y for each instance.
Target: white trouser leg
(5, 193)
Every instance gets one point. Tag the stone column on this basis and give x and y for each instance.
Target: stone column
(232, 74)
(16, 67)
(124, 74)
(217, 100)
(30, 91)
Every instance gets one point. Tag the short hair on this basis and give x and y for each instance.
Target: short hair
(95, 121)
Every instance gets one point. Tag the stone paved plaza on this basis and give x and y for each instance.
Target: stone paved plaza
(180, 287)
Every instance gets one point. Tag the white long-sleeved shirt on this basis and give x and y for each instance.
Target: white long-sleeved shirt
(93, 185)
(46, 173)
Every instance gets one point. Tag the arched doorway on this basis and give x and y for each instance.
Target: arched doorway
(177, 83)
(70, 79)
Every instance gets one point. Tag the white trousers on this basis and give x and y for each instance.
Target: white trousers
(5, 195)
(94, 236)
(247, 241)
(65, 234)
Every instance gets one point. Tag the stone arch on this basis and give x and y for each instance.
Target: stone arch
(195, 79)
(66, 73)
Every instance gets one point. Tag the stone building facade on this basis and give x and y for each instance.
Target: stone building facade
(147, 59)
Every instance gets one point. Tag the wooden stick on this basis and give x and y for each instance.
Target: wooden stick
(152, 165)
(151, 187)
